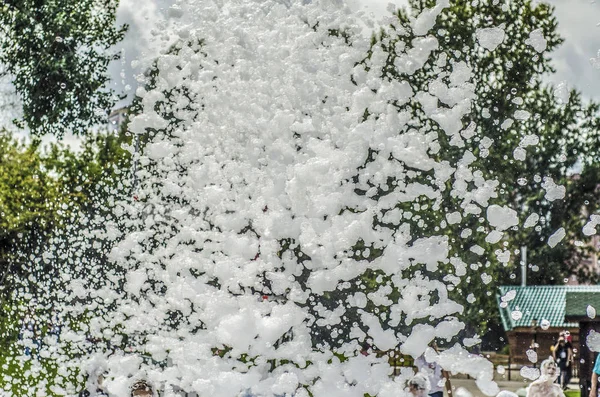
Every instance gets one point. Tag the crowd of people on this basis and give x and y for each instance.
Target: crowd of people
(430, 379)
(555, 374)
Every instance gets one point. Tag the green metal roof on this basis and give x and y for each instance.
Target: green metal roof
(578, 301)
(538, 302)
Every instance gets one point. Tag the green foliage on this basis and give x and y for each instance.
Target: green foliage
(509, 78)
(30, 201)
(40, 191)
(57, 52)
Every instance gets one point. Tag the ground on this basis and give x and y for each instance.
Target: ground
(513, 386)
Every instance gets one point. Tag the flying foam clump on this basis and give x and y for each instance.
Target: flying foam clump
(280, 174)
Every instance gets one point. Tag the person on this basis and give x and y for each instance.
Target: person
(438, 378)
(141, 388)
(563, 356)
(544, 386)
(418, 385)
(506, 393)
(595, 374)
(568, 337)
(94, 388)
(569, 343)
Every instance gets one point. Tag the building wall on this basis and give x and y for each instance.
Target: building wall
(587, 357)
(521, 339)
(116, 119)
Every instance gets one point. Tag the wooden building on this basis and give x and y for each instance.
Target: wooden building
(533, 316)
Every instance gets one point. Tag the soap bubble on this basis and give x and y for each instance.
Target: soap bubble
(545, 324)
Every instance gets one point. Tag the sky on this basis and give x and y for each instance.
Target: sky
(579, 22)
(579, 25)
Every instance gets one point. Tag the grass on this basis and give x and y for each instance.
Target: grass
(21, 378)
(572, 393)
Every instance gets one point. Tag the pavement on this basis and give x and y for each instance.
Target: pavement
(471, 387)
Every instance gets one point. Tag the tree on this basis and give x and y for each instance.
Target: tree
(57, 52)
(42, 189)
(292, 174)
(46, 193)
(513, 110)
